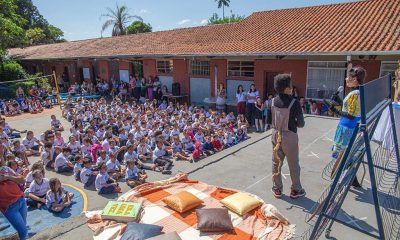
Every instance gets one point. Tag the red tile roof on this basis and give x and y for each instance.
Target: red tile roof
(371, 26)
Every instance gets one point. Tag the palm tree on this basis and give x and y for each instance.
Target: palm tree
(118, 19)
(223, 4)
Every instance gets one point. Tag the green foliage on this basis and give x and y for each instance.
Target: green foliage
(138, 27)
(21, 24)
(118, 19)
(24, 85)
(11, 70)
(34, 35)
(54, 34)
(215, 19)
(11, 31)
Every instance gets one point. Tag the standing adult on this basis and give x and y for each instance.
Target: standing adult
(65, 79)
(350, 114)
(251, 100)
(149, 86)
(12, 201)
(137, 87)
(241, 100)
(285, 116)
(221, 97)
(143, 88)
(132, 85)
(156, 85)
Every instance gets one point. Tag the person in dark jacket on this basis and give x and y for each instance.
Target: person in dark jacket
(285, 116)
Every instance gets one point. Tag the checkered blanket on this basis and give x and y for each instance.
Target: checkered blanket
(264, 222)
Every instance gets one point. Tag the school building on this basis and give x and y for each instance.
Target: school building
(314, 44)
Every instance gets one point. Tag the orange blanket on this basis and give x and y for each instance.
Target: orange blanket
(264, 222)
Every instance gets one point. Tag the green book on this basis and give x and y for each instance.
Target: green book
(121, 211)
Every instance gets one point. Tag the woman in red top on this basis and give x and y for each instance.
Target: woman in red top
(12, 201)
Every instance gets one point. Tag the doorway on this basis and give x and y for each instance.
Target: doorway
(269, 82)
(137, 68)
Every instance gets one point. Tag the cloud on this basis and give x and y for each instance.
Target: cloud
(204, 21)
(184, 21)
(143, 11)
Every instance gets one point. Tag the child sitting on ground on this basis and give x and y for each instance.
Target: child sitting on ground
(133, 176)
(56, 124)
(159, 158)
(207, 146)
(114, 168)
(32, 144)
(104, 183)
(78, 167)
(61, 163)
(59, 140)
(197, 153)
(87, 176)
(37, 190)
(46, 156)
(29, 178)
(218, 146)
(57, 197)
(178, 152)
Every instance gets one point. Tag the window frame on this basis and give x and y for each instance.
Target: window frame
(324, 68)
(387, 62)
(200, 68)
(240, 69)
(167, 68)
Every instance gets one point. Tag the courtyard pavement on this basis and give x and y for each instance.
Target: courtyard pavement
(246, 167)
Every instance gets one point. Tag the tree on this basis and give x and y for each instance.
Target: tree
(215, 19)
(11, 31)
(138, 27)
(223, 4)
(54, 34)
(34, 36)
(118, 19)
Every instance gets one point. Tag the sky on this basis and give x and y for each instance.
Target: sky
(80, 19)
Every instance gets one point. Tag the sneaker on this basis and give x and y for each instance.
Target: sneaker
(297, 193)
(277, 193)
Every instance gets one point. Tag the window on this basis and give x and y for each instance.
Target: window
(200, 67)
(324, 78)
(388, 68)
(241, 69)
(164, 66)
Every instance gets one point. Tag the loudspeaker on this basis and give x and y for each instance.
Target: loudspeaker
(176, 89)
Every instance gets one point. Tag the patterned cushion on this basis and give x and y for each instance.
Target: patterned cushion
(182, 202)
(167, 236)
(241, 203)
(137, 231)
(214, 220)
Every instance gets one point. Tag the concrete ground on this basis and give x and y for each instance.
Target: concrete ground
(246, 167)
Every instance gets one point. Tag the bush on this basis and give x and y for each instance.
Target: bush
(11, 70)
(24, 85)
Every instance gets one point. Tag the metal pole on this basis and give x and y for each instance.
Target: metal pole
(334, 184)
(364, 129)
(58, 91)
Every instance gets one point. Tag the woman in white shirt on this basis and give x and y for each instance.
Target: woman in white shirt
(221, 98)
(241, 100)
(251, 99)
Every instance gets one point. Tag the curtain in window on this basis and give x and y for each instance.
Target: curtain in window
(322, 83)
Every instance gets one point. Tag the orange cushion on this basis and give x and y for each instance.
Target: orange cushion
(182, 201)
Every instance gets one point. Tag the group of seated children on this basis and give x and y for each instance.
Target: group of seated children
(35, 101)
(111, 142)
(120, 140)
